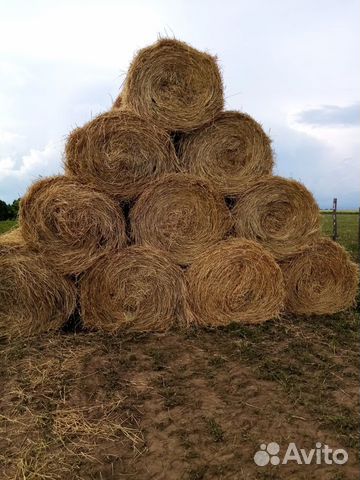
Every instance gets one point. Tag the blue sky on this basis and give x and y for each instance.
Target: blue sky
(292, 64)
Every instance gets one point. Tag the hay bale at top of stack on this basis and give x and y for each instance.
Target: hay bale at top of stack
(321, 280)
(174, 86)
(180, 214)
(281, 214)
(234, 281)
(71, 224)
(33, 297)
(230, 151)
(119, 153)
(138, 289)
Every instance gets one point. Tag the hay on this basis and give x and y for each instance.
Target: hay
(138, 289)
(33, 297)
(180, 214)
(174, 86)
(234, 281)
(231, 150)
(281, 214)
(118, 103)
(119, 153)
(12, 242)
(321, 280)
(71, 224)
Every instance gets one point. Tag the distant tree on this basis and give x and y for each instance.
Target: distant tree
(14, 209)
(4, 210)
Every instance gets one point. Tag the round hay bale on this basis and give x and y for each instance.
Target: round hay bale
(281, 214)
(174, 86)
(231, 150)
(119, 153)
(180, 214)
(71, 224)
(234, 281)
(138, 289)
(321, 280)
(33, 297)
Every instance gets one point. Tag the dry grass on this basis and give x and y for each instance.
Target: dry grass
(234, 281)
(281, 214)
(321, 280)
(119, 153)
(117, 103)
(180, 214)
(138, 289)
(71, 224)
(12, 242)
(174, 86)
(231, 150)
(33, 297)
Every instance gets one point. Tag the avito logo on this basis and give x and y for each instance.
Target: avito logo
(270, 454)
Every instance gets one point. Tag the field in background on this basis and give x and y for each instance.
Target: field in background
(348, 230)
(7, 225)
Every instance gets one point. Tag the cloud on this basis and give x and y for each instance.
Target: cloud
(15, 176)
(7, 137)
(331, 116)
(327, 172)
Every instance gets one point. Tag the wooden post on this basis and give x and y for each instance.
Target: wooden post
(334, 218)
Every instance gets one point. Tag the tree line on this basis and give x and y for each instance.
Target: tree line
(9, 211)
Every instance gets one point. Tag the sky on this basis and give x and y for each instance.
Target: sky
(294, 65)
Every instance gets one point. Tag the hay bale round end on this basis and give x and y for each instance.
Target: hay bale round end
(33, 297)
(71, 224)
(119, 153)
(180, 214)
(174, 86)
(229, 151)
(280, 214)
(139, 289)
(234, 281)
(321, 280)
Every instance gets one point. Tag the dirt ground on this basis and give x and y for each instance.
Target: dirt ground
(192, 406)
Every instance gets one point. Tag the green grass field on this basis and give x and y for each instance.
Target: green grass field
(348, 230)
(7, 225)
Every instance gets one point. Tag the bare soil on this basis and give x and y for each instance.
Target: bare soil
(192, 406)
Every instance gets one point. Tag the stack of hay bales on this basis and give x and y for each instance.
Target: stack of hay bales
(168, 214)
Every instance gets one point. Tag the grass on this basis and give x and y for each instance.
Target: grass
(215, 430)
(348, 230)
(310, 359)
(7, 225)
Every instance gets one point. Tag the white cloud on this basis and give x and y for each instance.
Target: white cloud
(16, 176)
(6, 166)
(7, 137)
(34, 163)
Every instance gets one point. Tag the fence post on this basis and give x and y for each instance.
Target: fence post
(334, 218)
